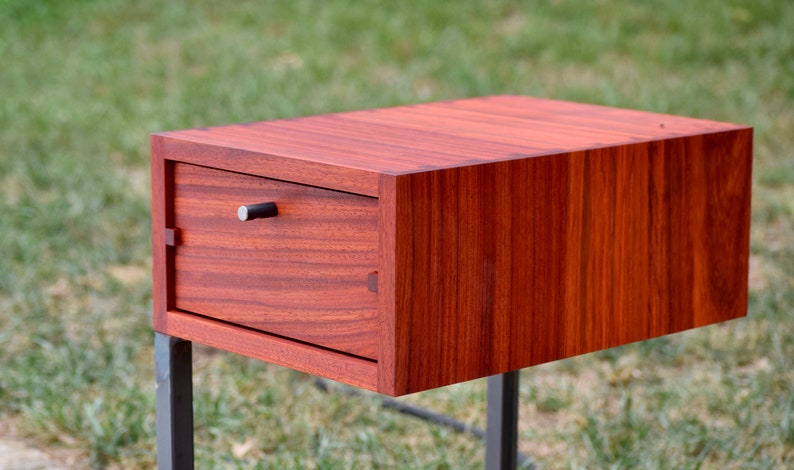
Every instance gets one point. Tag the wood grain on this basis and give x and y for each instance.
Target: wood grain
(505, 231)
(301, 275)
(349, 151)
(511, 264)
(258, 345)
(162, 254)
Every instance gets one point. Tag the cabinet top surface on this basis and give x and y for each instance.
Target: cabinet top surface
(422, 137)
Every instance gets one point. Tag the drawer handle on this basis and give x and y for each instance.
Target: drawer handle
(257, 211)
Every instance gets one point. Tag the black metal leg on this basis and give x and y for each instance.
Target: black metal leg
(173, 370)
(501, 441)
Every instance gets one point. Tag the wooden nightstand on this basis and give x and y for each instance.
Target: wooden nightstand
(408, 248)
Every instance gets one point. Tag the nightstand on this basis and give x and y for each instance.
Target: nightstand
(407, 248)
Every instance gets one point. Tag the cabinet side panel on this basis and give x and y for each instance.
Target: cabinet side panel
(723, 249)
(394, 251)
(511, 264)
(162, 217)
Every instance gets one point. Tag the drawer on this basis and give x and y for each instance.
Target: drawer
(301, 275)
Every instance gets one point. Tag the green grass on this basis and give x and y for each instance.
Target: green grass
(83, 84)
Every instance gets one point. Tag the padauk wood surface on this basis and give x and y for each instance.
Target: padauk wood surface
(506, 231)
(300, 275)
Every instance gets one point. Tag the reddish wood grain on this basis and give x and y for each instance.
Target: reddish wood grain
(506, 231)
(223, 153)
(255, 344)
(507, 265)
(162, 254)
(348, 151)
(302, 274)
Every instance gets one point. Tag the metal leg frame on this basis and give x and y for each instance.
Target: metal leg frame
(173, 371)
(501, 440)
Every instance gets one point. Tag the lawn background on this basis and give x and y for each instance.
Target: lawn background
(83, 83)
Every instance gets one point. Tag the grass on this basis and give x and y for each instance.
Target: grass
(83, 84)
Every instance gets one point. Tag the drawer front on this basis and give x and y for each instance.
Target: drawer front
(301, 274)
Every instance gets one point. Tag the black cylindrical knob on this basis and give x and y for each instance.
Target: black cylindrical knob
(257, 211)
